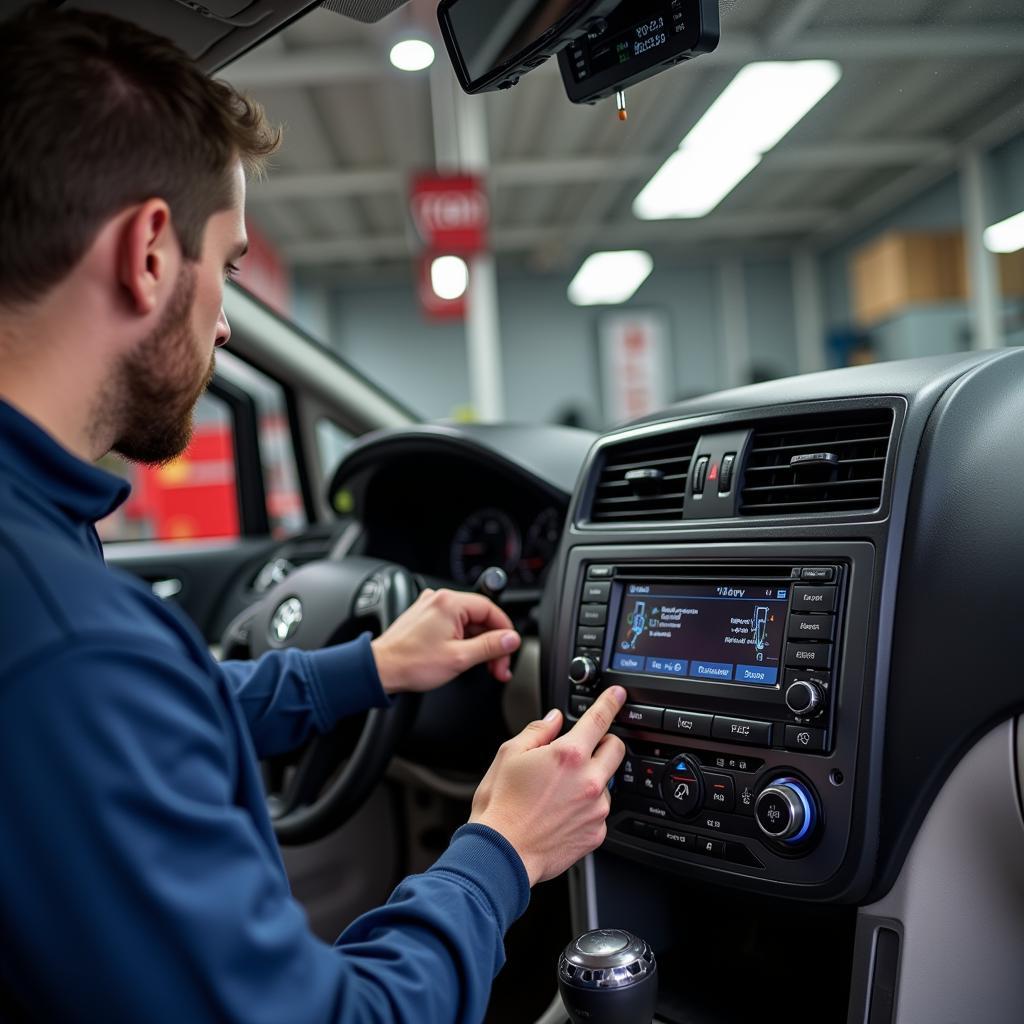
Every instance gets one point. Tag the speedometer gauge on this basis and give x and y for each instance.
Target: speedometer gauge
(541, 544)
(488, 537)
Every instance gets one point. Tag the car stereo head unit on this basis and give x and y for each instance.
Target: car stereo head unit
(697, 645)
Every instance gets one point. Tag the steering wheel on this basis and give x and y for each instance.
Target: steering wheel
(309, 609)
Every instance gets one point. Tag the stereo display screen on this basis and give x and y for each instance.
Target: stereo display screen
(728, 632)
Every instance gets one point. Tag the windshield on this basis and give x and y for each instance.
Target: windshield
(835, 184)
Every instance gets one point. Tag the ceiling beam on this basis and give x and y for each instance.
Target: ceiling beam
(722, 227)
(795, 21)
(1003, 126)
(326, 65)
(587, 170)
(925, 42)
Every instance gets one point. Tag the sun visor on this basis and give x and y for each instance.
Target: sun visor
(364, 10)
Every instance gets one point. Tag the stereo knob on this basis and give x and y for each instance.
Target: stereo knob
(804, 699)
(582, 670)
(785, 811)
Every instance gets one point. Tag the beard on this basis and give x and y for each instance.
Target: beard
(160, 382)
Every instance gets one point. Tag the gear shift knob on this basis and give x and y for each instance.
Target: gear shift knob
(608, 976)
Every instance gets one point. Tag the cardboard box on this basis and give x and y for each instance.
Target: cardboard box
(902, 268)
(1011, 274)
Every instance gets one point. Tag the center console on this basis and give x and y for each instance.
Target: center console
(744, 669)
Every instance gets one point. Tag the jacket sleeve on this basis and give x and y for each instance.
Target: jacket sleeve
(139, 879)
(287, 696)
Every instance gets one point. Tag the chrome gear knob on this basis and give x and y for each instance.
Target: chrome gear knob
(608, 976)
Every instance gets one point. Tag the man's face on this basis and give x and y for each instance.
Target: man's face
(162, 379)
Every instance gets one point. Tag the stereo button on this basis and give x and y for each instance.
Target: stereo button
(579, 705)
(818, 574)
(600, 572)
(628, 663)
(593, 614)
(596, 591)
(688, 723)
(814, 599)
(640, 717)
(812, 627)
(799, 737)
(809, 655)
(740, 730)
(590, 636)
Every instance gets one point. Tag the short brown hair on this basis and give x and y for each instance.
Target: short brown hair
(97, 114)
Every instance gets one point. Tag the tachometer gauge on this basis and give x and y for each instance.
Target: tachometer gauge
(486, 538)
(541, 544)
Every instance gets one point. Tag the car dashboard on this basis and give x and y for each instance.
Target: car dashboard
(807, 589)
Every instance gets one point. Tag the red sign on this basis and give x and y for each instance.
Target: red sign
(451, 212)
(433, 306)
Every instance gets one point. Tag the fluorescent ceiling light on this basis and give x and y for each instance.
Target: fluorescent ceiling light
(692, 182)
(412, 55)
(757, 109)
(449, 277)
(1007, 235)
(608, 278)
(762, 104)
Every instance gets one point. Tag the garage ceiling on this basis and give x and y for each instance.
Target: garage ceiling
(922, 80)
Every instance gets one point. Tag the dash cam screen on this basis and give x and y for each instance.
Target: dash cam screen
(729, 632)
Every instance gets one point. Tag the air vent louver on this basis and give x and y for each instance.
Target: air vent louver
(821, 463)
(644, 480)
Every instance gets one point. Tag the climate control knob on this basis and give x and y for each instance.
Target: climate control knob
(785, 811)
(682, 786)
(804, 699)
(582, 670)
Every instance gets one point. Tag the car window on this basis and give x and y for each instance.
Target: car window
(193, 497)
(332, 443)
(277, 453)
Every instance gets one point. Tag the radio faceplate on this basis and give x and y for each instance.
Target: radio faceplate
(742, 653)
(744, 677)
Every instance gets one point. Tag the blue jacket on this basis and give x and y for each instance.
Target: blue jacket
(139, 875)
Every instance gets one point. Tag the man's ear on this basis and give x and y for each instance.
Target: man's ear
(148, 256)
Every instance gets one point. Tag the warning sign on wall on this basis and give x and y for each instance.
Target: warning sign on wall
(635, 366)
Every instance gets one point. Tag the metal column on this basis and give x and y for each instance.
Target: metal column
(460, 144)
(809, 315)
(732, 288)
(982, 268)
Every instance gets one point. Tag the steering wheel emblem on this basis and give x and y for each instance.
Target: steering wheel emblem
(285, 621)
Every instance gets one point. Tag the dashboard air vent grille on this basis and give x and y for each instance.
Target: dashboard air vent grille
(819, 463)
(644, 480)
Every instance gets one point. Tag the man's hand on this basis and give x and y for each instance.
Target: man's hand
(442, 635)
(549, 797)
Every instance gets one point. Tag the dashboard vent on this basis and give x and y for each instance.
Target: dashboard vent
(644, 480)
(820, 463)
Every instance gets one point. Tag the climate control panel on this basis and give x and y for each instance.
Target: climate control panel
(688, 803)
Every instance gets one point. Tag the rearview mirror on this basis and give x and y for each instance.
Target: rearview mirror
(493, 43)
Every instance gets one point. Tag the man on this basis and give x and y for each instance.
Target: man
(139, 877)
